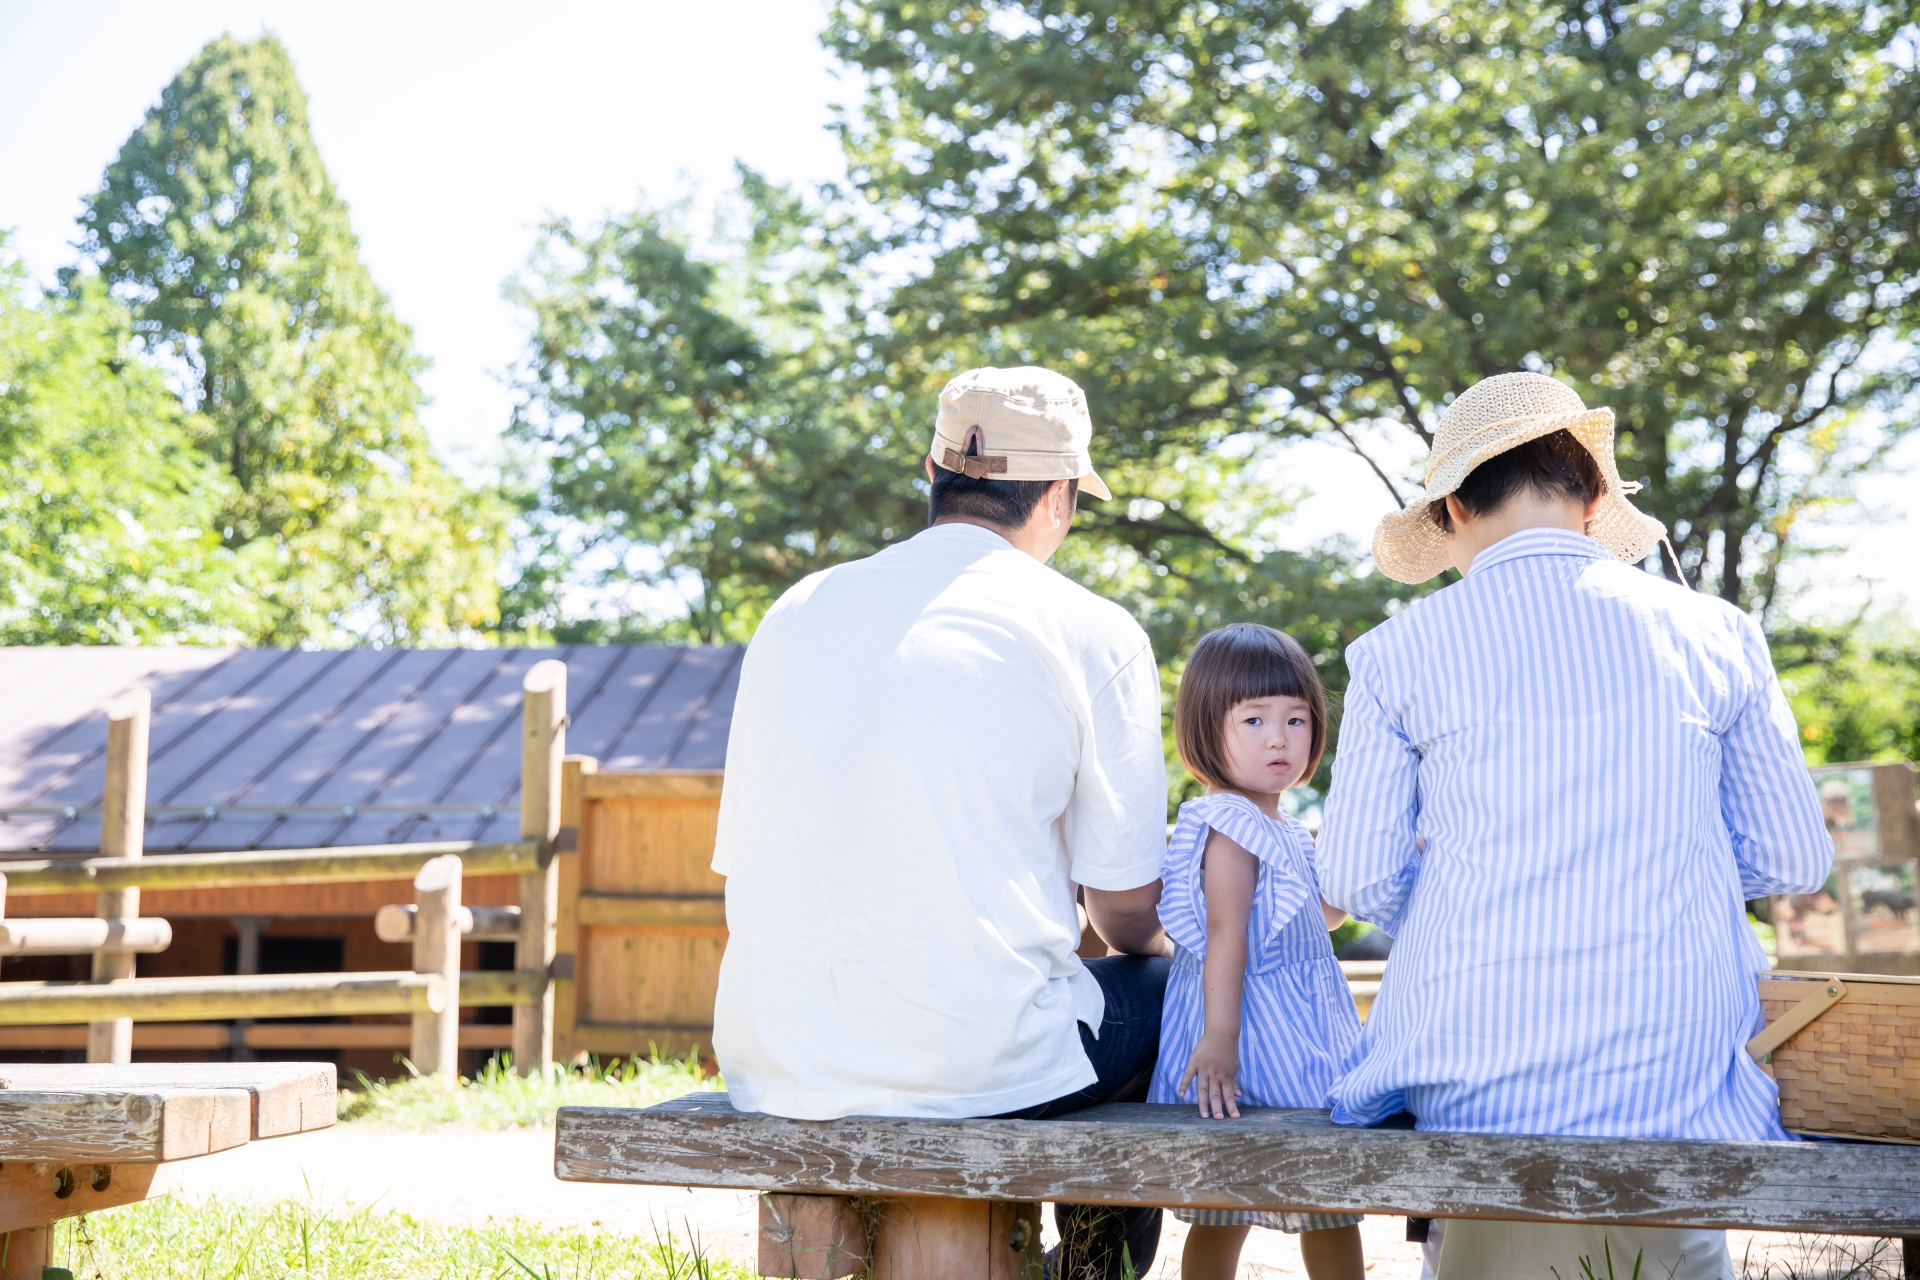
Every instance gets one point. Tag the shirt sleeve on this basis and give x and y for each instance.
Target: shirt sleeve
(1116, 824)
(1366, 857)
(1767, 798)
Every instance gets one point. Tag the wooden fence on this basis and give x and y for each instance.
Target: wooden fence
(432, 992)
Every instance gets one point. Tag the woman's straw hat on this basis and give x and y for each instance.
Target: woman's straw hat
(1489, 418)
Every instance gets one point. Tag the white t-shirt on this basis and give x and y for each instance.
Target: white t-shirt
(930, 748)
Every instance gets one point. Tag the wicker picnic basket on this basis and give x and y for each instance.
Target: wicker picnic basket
(1845, 1050)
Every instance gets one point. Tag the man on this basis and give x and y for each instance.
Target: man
(931, 749)
(1559, 781)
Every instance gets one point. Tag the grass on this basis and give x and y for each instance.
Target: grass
(169, 1239)
(499, 1099)
(1827, 1258)
(1807, 1258)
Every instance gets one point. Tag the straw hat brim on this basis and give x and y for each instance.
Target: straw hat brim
(1409, 547)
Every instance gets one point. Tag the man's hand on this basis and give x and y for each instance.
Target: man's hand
(1128, 920)
(1215, 1067)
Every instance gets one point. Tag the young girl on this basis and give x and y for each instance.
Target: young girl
(1257, 1010)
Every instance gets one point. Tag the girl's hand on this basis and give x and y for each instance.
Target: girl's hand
(1215, 1067)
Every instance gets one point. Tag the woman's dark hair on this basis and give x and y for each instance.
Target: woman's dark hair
(1233, 665)
(1554, 466)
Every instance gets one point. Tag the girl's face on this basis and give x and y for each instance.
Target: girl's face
(1269, 741)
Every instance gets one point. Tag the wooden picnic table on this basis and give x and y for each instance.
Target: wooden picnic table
(79, 1137)
(958, 1199)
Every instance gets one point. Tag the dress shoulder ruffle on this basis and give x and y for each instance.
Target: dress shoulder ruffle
(1286, 883)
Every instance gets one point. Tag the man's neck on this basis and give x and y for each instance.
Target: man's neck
(1036, 542)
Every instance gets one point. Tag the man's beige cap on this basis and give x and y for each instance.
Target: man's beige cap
(1024, 424)
(1487, 419)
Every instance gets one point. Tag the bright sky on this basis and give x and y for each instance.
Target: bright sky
(453, 132)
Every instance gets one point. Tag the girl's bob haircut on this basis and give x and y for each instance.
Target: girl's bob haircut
(1230, 666)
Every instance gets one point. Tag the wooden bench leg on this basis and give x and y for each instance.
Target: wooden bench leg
(811, 1237)
(934, 1239)
(1910, 1257)
(24, 1253)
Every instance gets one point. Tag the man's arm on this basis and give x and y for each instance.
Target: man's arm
(1116, 824)
(1129, 919)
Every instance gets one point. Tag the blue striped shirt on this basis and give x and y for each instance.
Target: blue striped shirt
(1297, 1020)
(1600, 768)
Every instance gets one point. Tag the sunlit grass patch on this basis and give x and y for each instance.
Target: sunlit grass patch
(170, 1239)
(499, 1099)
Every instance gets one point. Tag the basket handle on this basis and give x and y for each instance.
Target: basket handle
(1787, 1025)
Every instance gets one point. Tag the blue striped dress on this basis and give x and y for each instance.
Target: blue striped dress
(1297, 1020)
(1558, 779)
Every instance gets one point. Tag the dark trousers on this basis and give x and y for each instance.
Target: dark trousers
(1099, 1242)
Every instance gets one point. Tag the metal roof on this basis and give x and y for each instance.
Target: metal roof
(288, 749)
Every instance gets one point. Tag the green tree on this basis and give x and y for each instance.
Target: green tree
(108, 512)
(1296, 219)
(722, 421)
(1854, 686)
(219, 226)
(716, 429)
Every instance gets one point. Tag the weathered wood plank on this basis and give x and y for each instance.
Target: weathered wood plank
(143, 1125)
(279, 866)
(56, 936)
(284, 1097)
(1269, 1159)
(34, 1193)
(192, 999)
(688, 783)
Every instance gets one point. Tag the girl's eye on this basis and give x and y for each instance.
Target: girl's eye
(1253, 719)
(1296, 720)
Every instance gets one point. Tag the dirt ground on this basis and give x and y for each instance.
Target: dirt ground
(468, 1177)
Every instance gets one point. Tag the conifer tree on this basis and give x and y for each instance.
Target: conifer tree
(219, 227)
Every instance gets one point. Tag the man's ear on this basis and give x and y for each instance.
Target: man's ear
(929, 462)
(1060, 500)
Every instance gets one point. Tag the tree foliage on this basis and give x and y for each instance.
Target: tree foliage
(219, 227)
(714, 429)
(1291, 218)
(108, 512)
(1855, 687)
(724, 419)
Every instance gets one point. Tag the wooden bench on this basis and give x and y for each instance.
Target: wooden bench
(959, 1199)
(76, 1138)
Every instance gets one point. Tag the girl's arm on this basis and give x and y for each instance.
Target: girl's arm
(1230, 874)
(1333, 915)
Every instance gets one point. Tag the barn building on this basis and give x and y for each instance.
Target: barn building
(297, 749)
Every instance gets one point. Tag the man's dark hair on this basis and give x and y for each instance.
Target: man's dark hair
(1004, 504)
(1230, 666)
(1554, 466)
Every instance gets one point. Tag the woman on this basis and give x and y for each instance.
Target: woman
(1558, 781)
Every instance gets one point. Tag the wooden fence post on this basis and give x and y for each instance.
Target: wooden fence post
(436, 949)
(3, 896)
(543, 742)
(566, 859)
(123, 826)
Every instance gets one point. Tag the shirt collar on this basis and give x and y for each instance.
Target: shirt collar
(961, 531)
(1539, 542)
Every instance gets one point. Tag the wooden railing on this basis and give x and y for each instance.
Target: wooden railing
(432, 992)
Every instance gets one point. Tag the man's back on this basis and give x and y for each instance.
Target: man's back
(1600, 768)
(930, 748)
